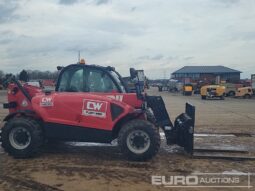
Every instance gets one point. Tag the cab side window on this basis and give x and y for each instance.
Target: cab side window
(100, 81)
(72, 80)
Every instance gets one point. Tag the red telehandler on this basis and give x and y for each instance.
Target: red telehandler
(91, 104)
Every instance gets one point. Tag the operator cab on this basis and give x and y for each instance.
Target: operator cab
(90, 78)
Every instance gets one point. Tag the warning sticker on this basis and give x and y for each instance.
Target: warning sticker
(46, 102)
(94, 108)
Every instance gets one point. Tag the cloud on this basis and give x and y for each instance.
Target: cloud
(155, 57)
(7, 9)
(143, 57)
(189, 58)
(133, 9)
(157, 36)
(100, 2)
(227, 3)
(94, 49)
(68, 2)
(96, 2)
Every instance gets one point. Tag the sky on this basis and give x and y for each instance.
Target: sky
(159, 36)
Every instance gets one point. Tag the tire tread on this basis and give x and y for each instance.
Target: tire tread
(37, 135)
(132, 125)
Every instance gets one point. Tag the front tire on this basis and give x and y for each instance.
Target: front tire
(22, 137)
(139, 140)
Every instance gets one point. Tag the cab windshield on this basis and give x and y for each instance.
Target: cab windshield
(117, 79)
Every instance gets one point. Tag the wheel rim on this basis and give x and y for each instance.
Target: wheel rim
(19, 138)
(138, 141)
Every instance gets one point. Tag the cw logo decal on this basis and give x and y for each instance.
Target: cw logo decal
(94, 108)
(94, 105)
(46, 102)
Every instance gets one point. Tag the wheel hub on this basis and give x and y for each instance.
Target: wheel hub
(138, 141)
(20, 138)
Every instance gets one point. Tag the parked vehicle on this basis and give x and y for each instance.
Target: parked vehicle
(172, 85)
(91, 104)
(253, 82)
(163, 86)
(187, 89)
(34, 83)
(212, 91)
(230, 88)
(245, 92)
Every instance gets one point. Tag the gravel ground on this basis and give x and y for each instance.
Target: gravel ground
(68, 166)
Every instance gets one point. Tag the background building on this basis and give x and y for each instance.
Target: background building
(210, 74)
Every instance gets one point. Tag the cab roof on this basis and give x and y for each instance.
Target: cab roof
(108, 68)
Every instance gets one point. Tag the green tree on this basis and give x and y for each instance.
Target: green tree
(23, 76)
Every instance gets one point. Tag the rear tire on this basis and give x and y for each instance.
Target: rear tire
(139, 140)
(22, 137)
(231, 94)
(247, 96)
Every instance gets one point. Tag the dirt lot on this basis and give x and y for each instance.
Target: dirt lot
(92, 167)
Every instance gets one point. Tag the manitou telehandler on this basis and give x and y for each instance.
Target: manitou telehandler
(91, 104)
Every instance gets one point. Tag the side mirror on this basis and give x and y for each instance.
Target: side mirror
(133, 73)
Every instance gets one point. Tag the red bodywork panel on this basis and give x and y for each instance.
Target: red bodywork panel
(90, 110)
(15, 95)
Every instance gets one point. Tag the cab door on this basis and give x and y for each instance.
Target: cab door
(67, 99)
(74, 105)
